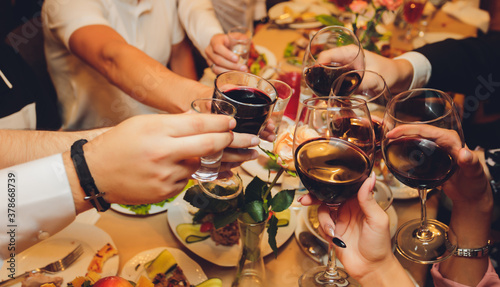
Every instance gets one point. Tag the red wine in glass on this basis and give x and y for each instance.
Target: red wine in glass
(319, 78)
(332, 169)
(412, 10)
(252, 108)
(418, 162)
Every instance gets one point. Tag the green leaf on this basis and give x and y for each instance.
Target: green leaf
(255, 190)
(272, 230)
(329, 20)
(256, 210)
(282, 200)
(198, 199)
(225, 218)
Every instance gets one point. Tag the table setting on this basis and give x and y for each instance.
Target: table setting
(278, 239)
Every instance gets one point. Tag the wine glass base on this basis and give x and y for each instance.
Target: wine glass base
(314, 277)
(412, 245)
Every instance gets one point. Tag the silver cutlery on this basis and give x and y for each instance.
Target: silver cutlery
(50, 268)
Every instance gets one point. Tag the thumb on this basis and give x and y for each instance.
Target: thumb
(469, 163)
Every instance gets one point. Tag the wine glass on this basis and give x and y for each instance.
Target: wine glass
(333, 153)
(371, 87)
(331, 52)
(253, 96)
(420, 129)
(412, 11)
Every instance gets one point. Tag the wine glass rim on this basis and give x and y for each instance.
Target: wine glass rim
(242, 103)
(410, 93)
(385, 87)
(224, 112)
(360, 50)
(360, 103)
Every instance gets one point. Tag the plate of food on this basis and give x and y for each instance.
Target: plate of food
(263, 167)
(225, 251)
(99, 254)
(161, 260)
(142, 209)
(260, 57)
(297, 15)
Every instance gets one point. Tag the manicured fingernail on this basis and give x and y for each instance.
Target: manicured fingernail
(255, 141)
(329, 230)
(232, 123)
(300, 198)
(243, 68)
(339, 242)
(468, 155)
(255, 154)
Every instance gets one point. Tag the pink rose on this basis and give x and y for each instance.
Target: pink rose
(358, 6)
(392, 5)
(283, 145)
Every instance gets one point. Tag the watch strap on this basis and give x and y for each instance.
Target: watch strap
(85, 177)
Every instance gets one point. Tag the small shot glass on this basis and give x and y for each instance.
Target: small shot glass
(209, 169)
(240, 40)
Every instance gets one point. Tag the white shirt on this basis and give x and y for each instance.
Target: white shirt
(422, 68)
(199, 21)
(87, 99)
(35, 202)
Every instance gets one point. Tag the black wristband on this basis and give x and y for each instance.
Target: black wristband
(86, 179)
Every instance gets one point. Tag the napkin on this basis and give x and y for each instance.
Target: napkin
(467, 12)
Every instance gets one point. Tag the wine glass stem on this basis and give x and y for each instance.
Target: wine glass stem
(331, 273)
(423, 233)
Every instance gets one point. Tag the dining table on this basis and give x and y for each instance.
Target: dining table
(133, 234)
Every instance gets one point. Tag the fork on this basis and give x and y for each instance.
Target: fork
(50, 268)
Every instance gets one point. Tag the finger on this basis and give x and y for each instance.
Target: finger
(367, 202)
(326, 221)
(444, 137)
(469, 163)
(197, 145)
(308, 199)
(227, 166)
(182, 125)
(239, 155)
(244, 141)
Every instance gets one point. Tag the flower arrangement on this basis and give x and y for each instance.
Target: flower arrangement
(367, 15)
(256, 204)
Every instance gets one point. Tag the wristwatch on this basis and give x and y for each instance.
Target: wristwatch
(469, 252)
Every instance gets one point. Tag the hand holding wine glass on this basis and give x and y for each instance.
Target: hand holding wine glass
(333, 146)
(332, 51)
(421, 136)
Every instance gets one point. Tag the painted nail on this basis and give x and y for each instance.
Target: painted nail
(255, 141)
(337, 241)
(329, 230)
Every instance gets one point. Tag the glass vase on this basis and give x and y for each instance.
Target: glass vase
(250, 267)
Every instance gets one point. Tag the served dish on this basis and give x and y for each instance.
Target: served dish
(218, 254)
(153, 210)
(90, 237)
(271, 61)
(312, 226)
(134, 268)
(299, 8)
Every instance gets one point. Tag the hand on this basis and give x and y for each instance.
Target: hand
(220, 58)
(364, 227)
(149, 158)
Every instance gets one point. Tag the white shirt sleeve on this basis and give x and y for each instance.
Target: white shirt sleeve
(422, 68)
(35, 203)
(199, 21)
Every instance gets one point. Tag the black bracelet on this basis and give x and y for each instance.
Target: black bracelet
(86, 179)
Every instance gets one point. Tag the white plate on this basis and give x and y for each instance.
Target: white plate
(401, 191)
(54, 248)
(218, 254)
(254, 167)
(393, 221)
(154, 209)
(191, 269)
(298, 7)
